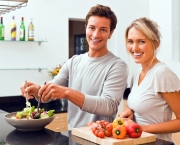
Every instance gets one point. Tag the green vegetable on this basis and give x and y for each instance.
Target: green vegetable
(30, 112)
(21, 114)
(51, 113)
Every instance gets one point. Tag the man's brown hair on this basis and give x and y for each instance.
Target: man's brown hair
(102, 11)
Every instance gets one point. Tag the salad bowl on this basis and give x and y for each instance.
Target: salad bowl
(28, 124)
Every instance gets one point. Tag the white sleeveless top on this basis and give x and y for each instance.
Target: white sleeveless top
(149, 106)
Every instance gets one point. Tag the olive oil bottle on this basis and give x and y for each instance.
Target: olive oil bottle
(31, 31)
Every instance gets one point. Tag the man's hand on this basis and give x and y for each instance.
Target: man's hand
(128, 113)
(51, 91)
(31, 88)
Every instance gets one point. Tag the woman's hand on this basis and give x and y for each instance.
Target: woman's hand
(128, 121)
(128, 113)
(31, 88)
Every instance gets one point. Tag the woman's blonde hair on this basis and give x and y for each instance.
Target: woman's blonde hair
(150, 29)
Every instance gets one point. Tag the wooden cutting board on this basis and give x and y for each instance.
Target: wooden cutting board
(86, 133)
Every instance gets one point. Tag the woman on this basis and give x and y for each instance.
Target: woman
(155, 89)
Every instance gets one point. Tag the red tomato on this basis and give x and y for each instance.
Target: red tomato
(89, 125)
(102, 122)
(101, 134)
(105, 124)
(101, 128)
(98, 121)
(108, 133)
(94, 127)
(109, 127)
(96, 133)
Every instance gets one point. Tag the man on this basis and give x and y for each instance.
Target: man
(93, 82)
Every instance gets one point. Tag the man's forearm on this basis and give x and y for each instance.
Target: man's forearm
(75, 97)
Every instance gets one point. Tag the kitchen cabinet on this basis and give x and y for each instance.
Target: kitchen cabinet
(60, 123)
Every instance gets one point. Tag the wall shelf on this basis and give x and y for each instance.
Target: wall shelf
(39, 42)
(39, 69)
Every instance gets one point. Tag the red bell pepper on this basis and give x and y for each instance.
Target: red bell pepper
(134, 130)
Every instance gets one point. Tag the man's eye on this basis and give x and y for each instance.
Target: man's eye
(91, 28)
(103, 30)
(129, 41)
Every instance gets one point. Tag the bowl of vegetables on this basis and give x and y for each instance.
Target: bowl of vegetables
(29, 119)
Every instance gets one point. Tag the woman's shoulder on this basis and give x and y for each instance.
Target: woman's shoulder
(162, 69)
(165, 79)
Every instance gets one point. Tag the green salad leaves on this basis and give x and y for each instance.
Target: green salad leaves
(32, 113)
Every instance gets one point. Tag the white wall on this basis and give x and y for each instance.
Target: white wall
(51, 21)
(166, 14)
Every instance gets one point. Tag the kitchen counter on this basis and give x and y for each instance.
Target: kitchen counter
(11, 136)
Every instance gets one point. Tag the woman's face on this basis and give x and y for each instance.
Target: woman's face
(139, 46)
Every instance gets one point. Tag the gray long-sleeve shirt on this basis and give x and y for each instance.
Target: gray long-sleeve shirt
(102, 80)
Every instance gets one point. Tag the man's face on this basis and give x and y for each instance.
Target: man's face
(97, 33)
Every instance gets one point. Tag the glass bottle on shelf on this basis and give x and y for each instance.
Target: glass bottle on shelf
(13, 29)
(31, 31)
(22, 30)
(2, 29)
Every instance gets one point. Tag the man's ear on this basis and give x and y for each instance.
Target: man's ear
(110, 34)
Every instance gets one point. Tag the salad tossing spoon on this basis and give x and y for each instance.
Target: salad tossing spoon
(27, 102)
(39, 101)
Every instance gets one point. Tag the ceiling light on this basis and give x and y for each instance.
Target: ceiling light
(11, 5)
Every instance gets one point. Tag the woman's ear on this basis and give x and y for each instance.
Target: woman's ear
(110, 34)
(157, 44)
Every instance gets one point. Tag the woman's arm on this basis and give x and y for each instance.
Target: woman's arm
(173, 99)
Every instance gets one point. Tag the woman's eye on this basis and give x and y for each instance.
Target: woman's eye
(141, 42)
